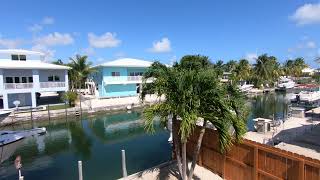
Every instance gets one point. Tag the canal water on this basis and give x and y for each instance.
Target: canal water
(98, 142)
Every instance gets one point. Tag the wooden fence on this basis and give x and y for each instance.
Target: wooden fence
(252, 161)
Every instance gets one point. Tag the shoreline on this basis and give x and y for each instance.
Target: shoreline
(25, 117)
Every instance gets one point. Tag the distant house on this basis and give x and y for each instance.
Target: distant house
(120, 78)
(226, 77)
(24, 75)
(308, 71)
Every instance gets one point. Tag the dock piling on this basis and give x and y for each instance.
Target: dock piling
(80, 170)
(48, 112)
(124, 166)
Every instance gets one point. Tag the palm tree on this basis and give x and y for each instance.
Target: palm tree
(192, 91)
(80, 70)
(266, 70)
(243, 70)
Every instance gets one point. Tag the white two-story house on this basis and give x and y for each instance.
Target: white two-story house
(24, 76)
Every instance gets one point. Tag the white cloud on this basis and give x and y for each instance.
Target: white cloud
(307, 14)
(311, 44)
(35, 28)
(48, 20)
(106, 40)
(161, 46)
(10, 43)
(49, 53)
(251, 57)
(54, 39)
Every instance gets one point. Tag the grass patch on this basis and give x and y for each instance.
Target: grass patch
(57, 107)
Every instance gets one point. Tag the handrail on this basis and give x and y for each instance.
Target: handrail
(18, 85)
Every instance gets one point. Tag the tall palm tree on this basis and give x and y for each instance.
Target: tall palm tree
(243, 70)
(267, 69)
(80, 70)
(192, 91)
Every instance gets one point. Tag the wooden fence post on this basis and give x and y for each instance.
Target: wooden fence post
(301, 169)
(48, 112)
(255, 163)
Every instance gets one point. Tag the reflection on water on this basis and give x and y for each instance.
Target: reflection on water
(97, 141)
(273, 105)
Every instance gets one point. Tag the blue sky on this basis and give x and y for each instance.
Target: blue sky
(163, 30)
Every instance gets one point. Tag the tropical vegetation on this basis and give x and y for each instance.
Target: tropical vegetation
(81, 68)
(194, 94)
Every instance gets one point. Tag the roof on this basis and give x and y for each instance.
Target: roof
(308, 70)
(20, 51)
(29, 65)
(127, 62)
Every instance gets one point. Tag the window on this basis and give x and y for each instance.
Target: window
(22, 57)
(24, 79)
(138, 73)
(16, 79)
(16, 57)
(135, 73)
(56, 78)
(53, 78)
(30, 79)
(115, 73)
(9, 80)
(50, 78)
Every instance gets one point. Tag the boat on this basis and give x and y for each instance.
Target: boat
(4, 114)
(306, 96)
(10, 140)
(7, 137)
(285, 84)
(245, 87)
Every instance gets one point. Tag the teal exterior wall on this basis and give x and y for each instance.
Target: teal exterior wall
(120, 90)
(116, 89)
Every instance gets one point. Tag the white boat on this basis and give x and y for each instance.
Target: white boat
(10, 140)
(7, 137)
(285, 84)
(306, 96)
(4, 114)
(245, 87)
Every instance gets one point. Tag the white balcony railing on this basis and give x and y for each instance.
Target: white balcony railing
(134, 78)
(52, 84)
(18, 85)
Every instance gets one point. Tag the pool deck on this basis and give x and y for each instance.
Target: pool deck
(169, 171)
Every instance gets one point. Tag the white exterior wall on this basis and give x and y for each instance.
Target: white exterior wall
(26, 92)
(44, 74)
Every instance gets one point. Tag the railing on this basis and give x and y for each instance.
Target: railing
(134, 78)
(18, 85)
(52, 84)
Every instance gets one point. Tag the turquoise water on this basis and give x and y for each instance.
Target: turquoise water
(97, 141)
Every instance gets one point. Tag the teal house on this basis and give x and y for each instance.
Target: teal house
(119, 78)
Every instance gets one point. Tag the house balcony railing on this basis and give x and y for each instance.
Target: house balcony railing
(18, 85)
(134, 78)
(52, 84)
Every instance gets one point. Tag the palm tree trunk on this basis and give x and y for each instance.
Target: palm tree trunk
(177, 143)
(197, 150)
(184, 160)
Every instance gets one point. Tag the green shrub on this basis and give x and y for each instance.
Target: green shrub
(70, 97)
